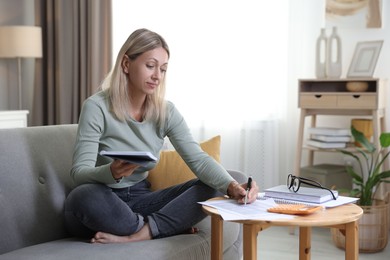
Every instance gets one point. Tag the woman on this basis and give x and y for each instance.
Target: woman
(112, 202)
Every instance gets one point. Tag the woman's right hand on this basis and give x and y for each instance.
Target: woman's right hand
(120, 168)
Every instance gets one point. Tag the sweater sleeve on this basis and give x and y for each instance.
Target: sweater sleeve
(90, 128)
(204, 166)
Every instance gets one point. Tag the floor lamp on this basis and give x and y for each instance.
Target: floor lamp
(20, 42)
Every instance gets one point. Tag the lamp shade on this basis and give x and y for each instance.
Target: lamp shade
(20, 42)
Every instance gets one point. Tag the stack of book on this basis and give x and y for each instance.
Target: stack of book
(329, 137)
(282, 195)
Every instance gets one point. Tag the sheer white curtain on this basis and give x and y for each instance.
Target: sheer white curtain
(227, 72)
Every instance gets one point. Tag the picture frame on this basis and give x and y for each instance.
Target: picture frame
(364, 59)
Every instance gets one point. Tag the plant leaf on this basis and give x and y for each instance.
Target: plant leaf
(349, 153)
(355, 193)
(379, 164)
(361, 139)
(384, 175)
(356, 177)
(385, 140)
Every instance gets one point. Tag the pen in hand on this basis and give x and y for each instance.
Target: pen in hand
(248, 187)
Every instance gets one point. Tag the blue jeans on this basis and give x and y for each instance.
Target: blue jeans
(95, 207)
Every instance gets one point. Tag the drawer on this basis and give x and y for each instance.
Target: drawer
(357, 101)
(317, 101)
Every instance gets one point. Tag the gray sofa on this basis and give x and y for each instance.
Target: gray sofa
(34, 182)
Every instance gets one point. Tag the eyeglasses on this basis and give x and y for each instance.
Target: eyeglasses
(294, 183)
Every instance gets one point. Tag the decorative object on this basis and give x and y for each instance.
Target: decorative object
(373, 234)
(354, 13)
(20, 42)
(364, 59)
(332, 176)
(364, 126)
(333, 55)
(357, 86)
(321, 56)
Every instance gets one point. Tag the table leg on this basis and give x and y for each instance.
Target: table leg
(310, 151)
(250, 241)
(216, 237)
(304, 243)
(351, 241)
(298, 154)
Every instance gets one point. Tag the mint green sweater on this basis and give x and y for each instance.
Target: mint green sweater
(99, 130)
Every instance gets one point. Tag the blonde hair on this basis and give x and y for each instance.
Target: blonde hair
(140, 41)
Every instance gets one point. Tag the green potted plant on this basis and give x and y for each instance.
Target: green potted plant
(373, 227)
(370, 164)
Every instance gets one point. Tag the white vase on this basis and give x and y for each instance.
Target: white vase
(321, 55)
(333, 55)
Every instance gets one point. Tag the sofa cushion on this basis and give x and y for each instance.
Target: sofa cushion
(194, 246)
(171, 169)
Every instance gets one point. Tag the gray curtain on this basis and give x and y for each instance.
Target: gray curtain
(76, 57)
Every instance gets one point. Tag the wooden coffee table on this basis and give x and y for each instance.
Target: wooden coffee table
(343, 217)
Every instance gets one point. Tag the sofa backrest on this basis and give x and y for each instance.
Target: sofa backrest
(34, 181)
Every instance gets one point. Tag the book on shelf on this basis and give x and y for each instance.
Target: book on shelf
(139, 158)
(333, 131)
(304, 194)
(320, 144)
(331, 138)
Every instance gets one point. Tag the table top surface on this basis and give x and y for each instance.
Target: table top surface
(331, 216)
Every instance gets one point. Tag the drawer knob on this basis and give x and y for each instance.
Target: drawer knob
(318, 96)
(356, 96)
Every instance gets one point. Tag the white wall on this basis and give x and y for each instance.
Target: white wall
(224, 56)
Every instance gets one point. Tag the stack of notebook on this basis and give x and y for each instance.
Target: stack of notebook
(281, 194)
(328, 137)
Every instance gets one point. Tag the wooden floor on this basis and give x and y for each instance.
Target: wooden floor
(278, 244)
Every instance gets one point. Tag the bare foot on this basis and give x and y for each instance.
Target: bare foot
(106, 238)
(192, 230)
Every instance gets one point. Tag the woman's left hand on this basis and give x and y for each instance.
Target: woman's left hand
(120, 169)
(238, 191)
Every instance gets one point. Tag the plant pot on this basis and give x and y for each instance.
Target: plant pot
(373, 229)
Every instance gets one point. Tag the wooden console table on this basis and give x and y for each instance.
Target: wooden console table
(343, 217)
(318, 97)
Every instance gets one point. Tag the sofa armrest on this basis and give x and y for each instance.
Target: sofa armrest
(240, 177)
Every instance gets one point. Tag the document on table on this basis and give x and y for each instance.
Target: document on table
(231, 210)
(341, 200)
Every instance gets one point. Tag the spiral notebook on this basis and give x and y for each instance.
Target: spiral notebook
(304, 194)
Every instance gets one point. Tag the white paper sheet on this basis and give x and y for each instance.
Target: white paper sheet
(231, 210)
